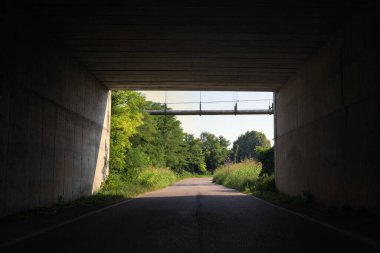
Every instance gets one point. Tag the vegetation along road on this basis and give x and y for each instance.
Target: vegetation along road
(193, 215)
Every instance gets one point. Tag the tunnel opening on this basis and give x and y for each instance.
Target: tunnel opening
(190, 145)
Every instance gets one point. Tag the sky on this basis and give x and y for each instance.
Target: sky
(231, 127)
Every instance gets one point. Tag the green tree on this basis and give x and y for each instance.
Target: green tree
(146, 142)
(161, 139)
(140, 140)
(126, 118)
(215, 150)
(171, 141)
(266, 156)
(247, 143)
(194, 155)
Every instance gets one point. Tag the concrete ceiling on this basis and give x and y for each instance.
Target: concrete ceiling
(193, 45)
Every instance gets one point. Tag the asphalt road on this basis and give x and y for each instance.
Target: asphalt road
(193, 215)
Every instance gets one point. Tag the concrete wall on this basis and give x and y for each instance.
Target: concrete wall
(55, 120)
(328, 120)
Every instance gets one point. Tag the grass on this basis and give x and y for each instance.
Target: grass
(240, 176)
(118, 187)
(185, 174)
(246, 177)
(134, 182)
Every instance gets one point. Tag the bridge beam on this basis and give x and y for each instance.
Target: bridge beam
(210, 112)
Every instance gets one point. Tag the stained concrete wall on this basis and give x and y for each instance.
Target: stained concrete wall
(328, 120)
(55, 121)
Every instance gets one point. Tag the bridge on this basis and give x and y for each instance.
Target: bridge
(60, 59)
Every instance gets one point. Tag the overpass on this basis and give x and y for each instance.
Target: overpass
(60, 59)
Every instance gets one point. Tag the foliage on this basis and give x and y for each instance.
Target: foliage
(162, 139)
(215, 150)
(235, 151)
(133, 182)
(194, 155)
(246, 176)
(153, 178)
(263, 183)
(126, 117)
(184, 174)
(139, 140)
(246, 144)
(171, 142)
(137, 158)
(146, 144)
(238, 176)
(266, 156)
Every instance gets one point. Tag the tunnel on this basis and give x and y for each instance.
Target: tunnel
(61, 59)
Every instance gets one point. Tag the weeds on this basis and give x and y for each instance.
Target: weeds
(134, 182)
(241, 176)
(238, 176)
(247, 176)
(185, 174)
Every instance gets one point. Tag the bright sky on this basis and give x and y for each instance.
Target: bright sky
(228, 126)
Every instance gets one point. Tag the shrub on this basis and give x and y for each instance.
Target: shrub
(247, 176)
(263, 183)
(135, 181)
(238, 176)
(266, 156)
(136, 158)
(154, 178)
(184, 174)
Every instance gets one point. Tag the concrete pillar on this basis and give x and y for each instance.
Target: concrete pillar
(328, 121)
(54, 136)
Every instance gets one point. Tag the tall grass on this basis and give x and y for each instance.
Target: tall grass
(135, 181)
(118, 186)
(125, 185)
(247, 177)
(244, 176)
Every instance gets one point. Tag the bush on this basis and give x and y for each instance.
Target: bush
(184, 174)
(263, 183)
(238, 176)
(136, 158)
(135, 181)
(266, 156)
(247, 176)
(154, 178)
(118, 185)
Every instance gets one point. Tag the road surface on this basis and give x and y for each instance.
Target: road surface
(194, 215)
